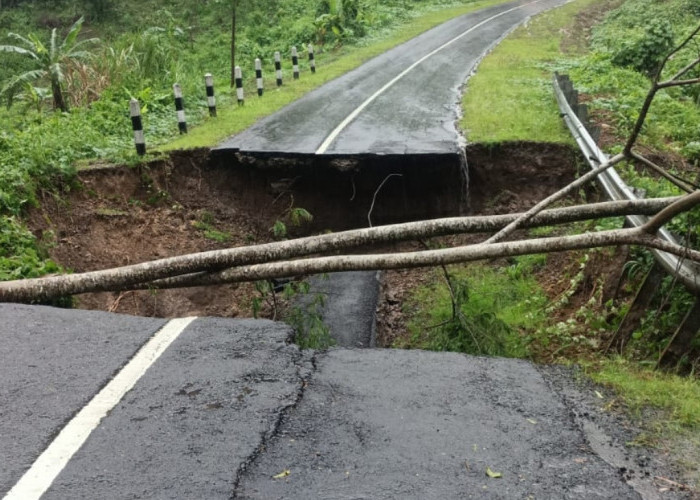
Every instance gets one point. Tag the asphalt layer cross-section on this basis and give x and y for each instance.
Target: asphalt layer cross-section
(415, 115)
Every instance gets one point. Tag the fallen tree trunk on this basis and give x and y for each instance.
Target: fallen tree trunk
(428, 258)
(195, 269)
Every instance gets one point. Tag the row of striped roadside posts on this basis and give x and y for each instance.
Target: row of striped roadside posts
(135, 106)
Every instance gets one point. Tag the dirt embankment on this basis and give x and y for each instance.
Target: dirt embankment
(193, 202)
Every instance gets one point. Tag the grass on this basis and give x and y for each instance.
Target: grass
(499, 304)
(233, 118)
(675, 423)
(510, 98)
(640, 387)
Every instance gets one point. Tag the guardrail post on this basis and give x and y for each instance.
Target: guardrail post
(180, 109)
(238, 74)
(295, 63)
(137, 126)
(258, 77)
(278, 68)
(312, 60)
(211, 100)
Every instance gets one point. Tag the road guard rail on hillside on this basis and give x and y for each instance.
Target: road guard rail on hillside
(686, 272)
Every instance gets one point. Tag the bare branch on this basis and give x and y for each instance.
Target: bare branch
(677, 49)
(653, 90)
(456, 255)
(677, 83)
(374, 198)
(680, 183)
(684, 70)
(522, 219)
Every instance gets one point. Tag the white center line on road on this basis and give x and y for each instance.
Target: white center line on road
(336, 132)
(53, 460)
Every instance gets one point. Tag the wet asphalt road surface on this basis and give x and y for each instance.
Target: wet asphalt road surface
(349, 306)
(231, 405)
(415, 114)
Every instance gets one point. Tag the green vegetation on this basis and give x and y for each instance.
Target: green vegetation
(644, 387)
(299, 308)
(206, 225)
(484, 310)
(510, 97)
(666, 406)
(20, 254)
(49, 62)
(626, 49)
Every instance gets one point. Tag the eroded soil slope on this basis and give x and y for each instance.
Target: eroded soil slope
(123, 215)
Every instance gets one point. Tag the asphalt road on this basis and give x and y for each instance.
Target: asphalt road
(349, 306)
(231, 409)
(404, 101)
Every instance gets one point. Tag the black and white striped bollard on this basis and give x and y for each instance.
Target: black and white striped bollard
(295, 63)
(239, 85)
(211, 100)
(278, 69)
(312, 61)
(258, 77)
(137, 125)
(180, 109)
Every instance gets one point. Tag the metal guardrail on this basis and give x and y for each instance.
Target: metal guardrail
(686, 272)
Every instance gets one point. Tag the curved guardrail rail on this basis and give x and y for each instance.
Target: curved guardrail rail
(686, 272)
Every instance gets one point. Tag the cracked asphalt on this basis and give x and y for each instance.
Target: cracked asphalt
(232, 409)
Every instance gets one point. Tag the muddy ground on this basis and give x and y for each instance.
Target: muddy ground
(192, 202)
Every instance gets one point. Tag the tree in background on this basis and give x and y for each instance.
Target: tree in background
(49, 61)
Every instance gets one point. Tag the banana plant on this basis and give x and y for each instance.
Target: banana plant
(49, 61)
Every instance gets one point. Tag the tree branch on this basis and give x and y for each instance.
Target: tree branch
(677, 83)
(678, 182)
(653, 90)
(687, 68)
(197, 265)
(456, 255)
(522, 219)
(683, 205)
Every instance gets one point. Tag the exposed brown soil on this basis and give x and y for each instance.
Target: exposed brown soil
(122, 215)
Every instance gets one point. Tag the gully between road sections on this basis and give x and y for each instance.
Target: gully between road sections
(231, 409)
(124, 215)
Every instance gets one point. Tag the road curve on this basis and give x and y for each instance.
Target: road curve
(405, 101)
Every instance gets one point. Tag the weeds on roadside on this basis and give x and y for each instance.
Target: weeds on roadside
(301, 310)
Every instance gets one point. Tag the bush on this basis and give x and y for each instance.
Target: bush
(646, 52)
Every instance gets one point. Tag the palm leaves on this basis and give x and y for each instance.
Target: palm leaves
(50, 61)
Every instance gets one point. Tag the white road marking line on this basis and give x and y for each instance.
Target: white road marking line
(53, 460)
(336, 132)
